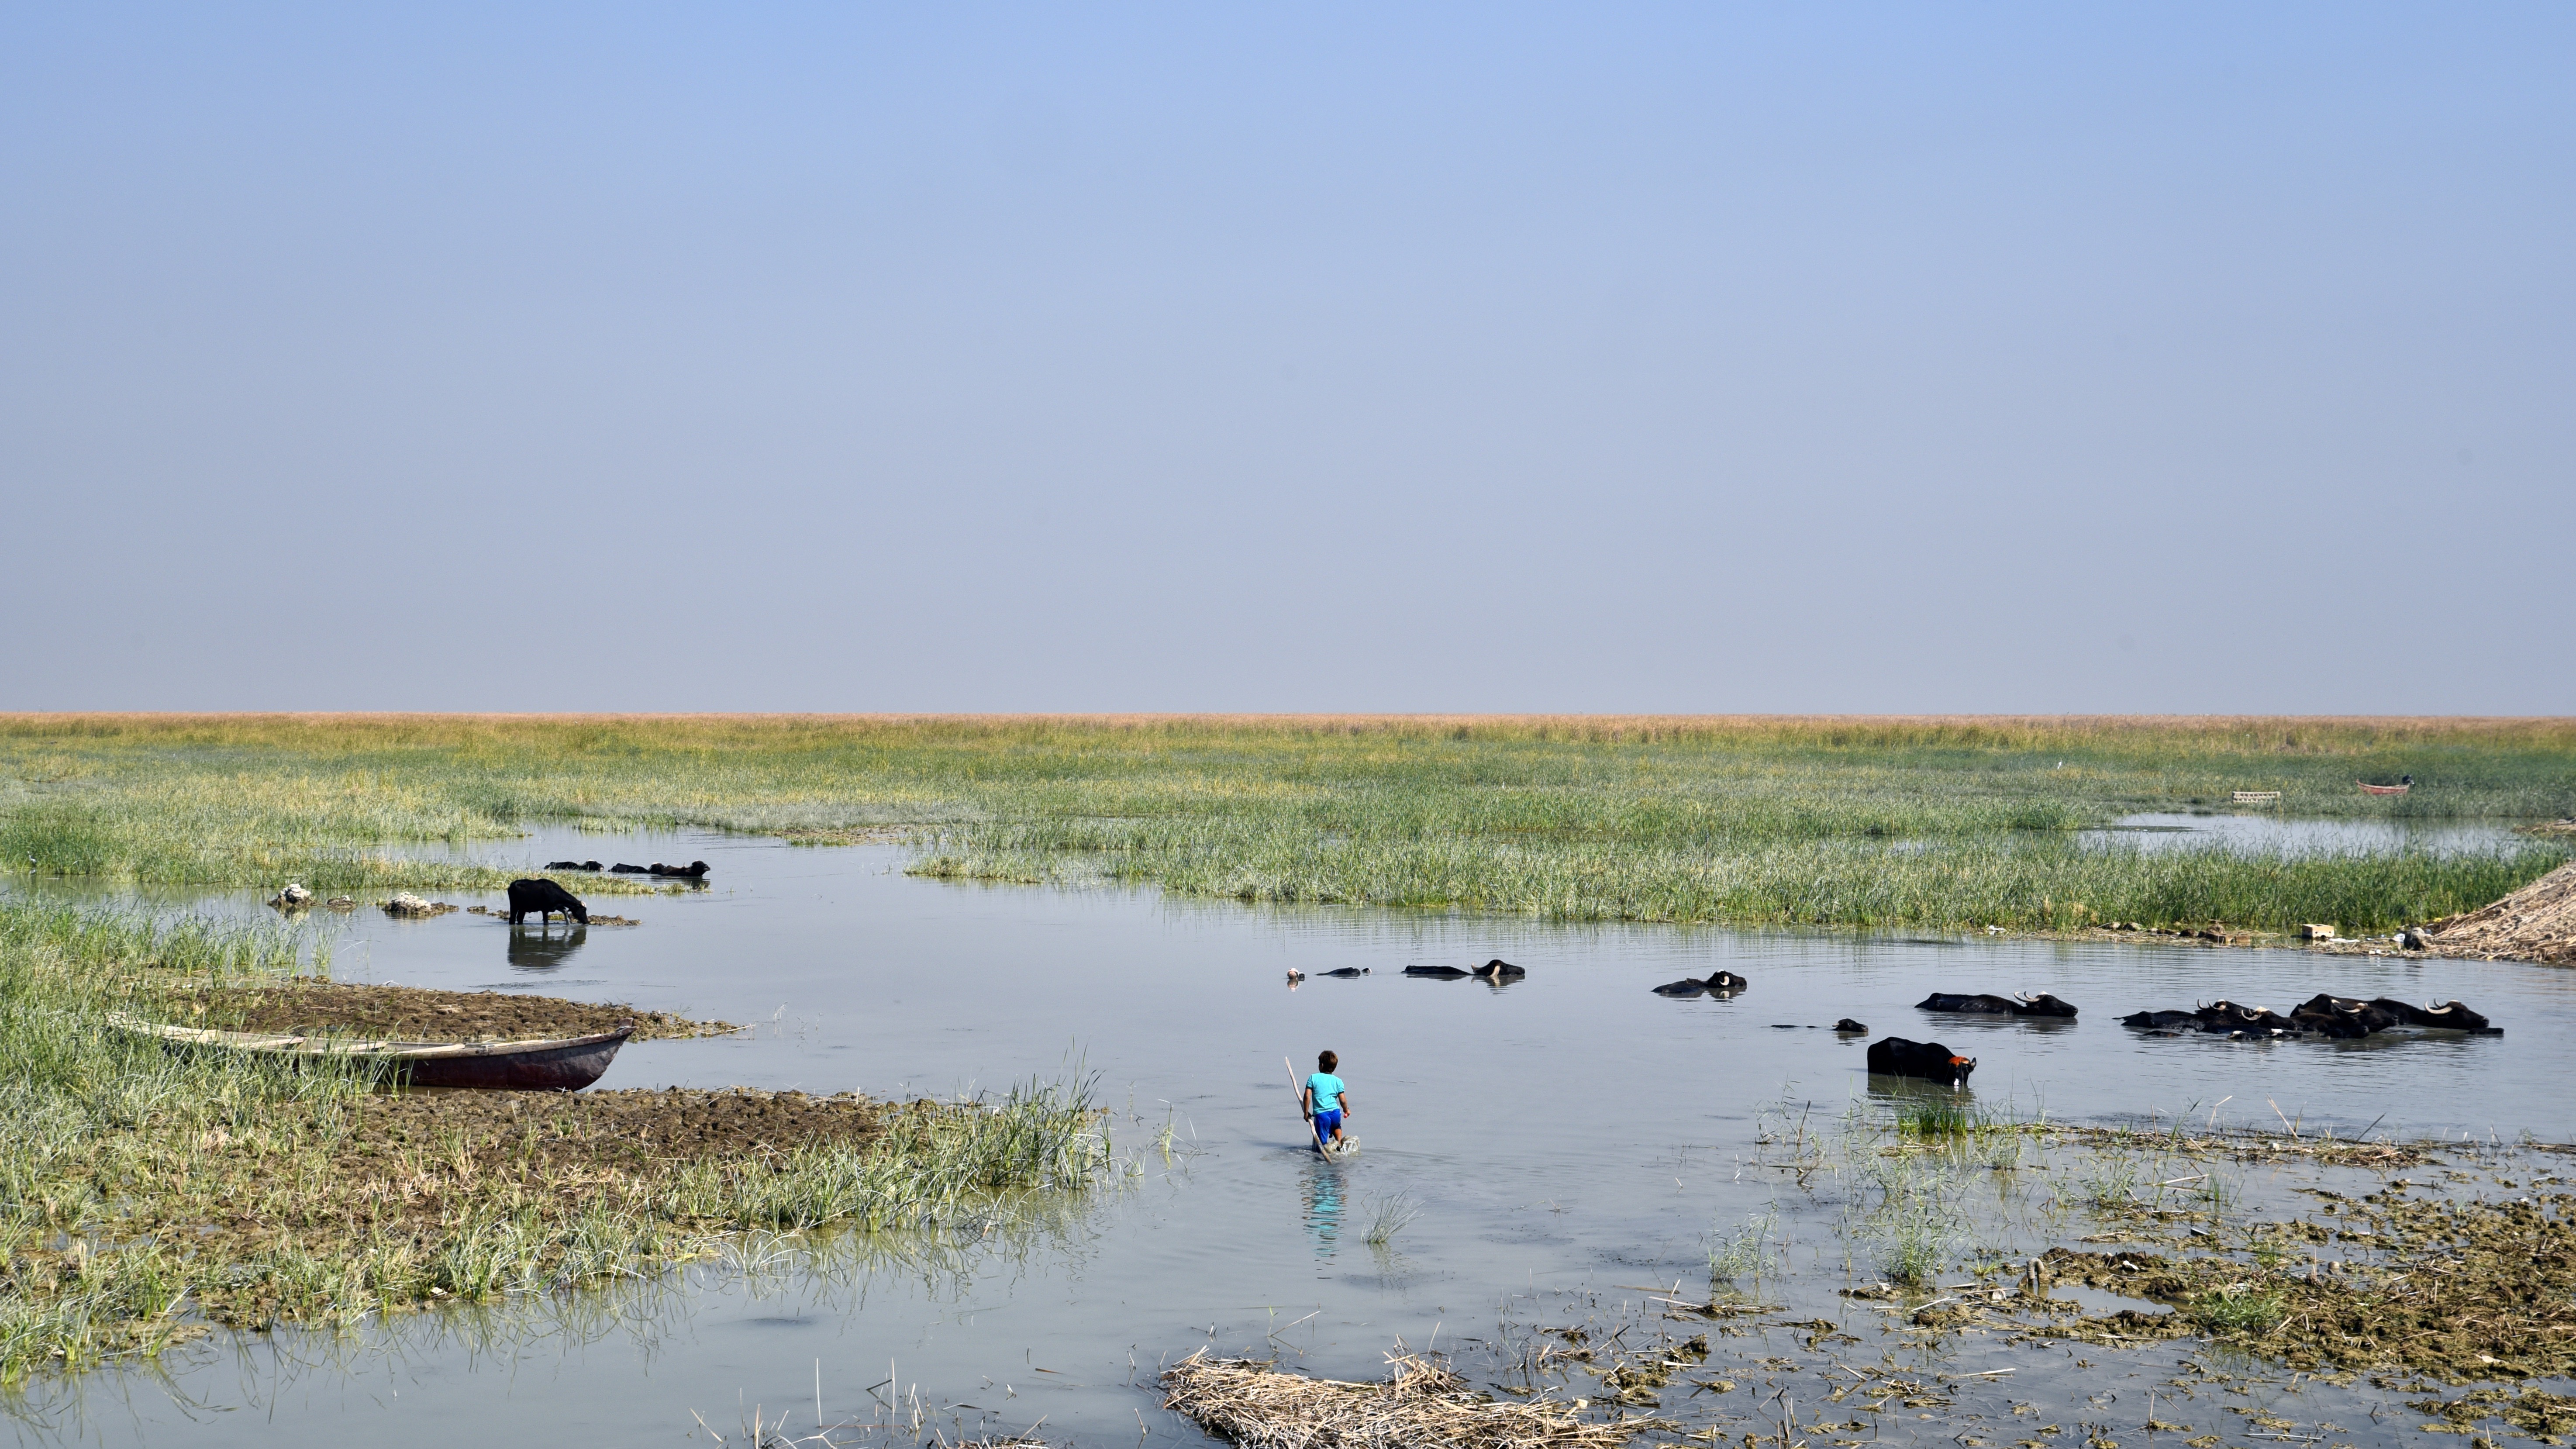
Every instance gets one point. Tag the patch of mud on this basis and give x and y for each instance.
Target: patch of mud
(414, 1013)
(627, 1129)
(596, 919)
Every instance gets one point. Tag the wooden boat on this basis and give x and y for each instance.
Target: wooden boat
(2368, 788)
(559, 1064)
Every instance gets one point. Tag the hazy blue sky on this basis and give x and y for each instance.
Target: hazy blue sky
(1589, 357)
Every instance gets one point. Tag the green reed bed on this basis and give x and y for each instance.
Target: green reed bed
(2048, 884)
(147, 1194)
(1935, 822)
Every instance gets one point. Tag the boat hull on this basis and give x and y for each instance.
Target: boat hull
(564, 1064)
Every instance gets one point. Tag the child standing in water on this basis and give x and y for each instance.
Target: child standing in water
(1326, 1102)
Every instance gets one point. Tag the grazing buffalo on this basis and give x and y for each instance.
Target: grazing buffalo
(1347, 972)
(2025, 1004)
(694, 870)
(1436, 973)
(1498, 971)
(1849, 1027)
(622, 868)
(572, 865)
(1896, 1057)
(544, 898)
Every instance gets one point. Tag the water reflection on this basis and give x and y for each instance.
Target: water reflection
(543, 948)
(1323, 1187)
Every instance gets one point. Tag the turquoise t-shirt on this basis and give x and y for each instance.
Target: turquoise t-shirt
(1328, 1091)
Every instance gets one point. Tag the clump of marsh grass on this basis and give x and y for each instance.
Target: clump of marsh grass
(1389, 1215)
(1744, 1252)
(1917, 1222)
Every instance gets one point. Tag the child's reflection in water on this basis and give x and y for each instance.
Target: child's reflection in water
(1324, 1205)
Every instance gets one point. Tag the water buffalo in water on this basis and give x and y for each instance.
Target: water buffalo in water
(2341, 1016)
(544, 898)
(2449, 1014)
(1849, 1027)
(1718, 983)
(2025, 1004)
(622, 868)
(1498, 971)
(1896, 1057)
(1347, 972)
(1436, 973)
(694, 870)
(572, 865)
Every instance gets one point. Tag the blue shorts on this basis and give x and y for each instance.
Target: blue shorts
(1326, 1124)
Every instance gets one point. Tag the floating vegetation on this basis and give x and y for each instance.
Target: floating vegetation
(1254, 1404)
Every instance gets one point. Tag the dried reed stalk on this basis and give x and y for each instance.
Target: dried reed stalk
(1421, 1405)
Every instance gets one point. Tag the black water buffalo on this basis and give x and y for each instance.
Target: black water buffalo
(694, 870)
(1347, 972)
(1896, 1057)
(2227, 1016)
(622, 868)
(1498, 971)
(572, 865)
(1717, 983)
(2450, 1014)
(2341, 1016)
(544, 898)
(1436, 973)
(1849, 1027)
(2025, 1004)
(2162, 1020)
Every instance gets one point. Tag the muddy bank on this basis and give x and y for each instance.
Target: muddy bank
(586, 1131)
(413, 1013)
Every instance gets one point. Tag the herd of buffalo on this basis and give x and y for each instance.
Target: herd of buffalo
(694, 870)
(2321, 1016)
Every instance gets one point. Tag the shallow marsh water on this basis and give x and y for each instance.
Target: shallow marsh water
(2261, 830)
(1572, 1141)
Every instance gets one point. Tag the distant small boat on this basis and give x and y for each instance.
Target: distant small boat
(2368, 788)
(558, 1064)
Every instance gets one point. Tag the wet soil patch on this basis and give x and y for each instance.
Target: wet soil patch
(633, 1130)
(413, 1013)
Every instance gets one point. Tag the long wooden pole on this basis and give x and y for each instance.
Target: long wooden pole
(1298, 1090)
